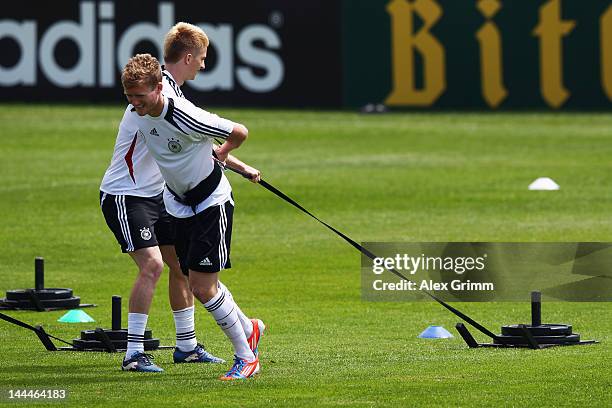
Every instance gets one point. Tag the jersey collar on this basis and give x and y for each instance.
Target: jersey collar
(166, 72)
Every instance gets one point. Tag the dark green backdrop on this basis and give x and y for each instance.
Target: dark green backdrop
(368, 68)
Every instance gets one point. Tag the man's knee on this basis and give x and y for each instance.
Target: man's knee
(204, 293)
(152, 268)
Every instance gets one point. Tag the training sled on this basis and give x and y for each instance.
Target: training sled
(105, 340)
(534, 336)
(40, 298)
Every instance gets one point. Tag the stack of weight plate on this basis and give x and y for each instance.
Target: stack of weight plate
(113, 339)
(40, 298)
(558, 334)
(49, 298)
(90, 340)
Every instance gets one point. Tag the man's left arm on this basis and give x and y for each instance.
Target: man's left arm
(235, 163)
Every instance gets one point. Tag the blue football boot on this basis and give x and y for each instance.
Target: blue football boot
(197, 355)
(140, 362)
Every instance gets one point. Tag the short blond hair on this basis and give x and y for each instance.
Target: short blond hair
(183, 38)
(141, 69)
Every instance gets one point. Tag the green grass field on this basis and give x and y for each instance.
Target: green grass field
(396, 177)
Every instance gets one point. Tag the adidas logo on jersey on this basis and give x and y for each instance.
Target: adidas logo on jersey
(154, 132)
(205, 262)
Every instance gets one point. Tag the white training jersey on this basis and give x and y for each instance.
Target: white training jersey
(180, 140)
(132, 170)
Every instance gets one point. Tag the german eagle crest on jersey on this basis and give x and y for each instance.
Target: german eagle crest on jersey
(145, 233)
(174, 146)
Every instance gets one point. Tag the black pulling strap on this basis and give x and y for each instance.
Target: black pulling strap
(27, 326)
(364, 251)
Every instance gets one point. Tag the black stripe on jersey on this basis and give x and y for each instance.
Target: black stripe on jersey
(170, 115)
(174, 85)
(199, 127)
(195, 127)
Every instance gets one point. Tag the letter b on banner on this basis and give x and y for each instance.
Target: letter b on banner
(405, 43)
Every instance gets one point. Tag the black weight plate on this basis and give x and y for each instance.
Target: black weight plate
(573, 338)
(44, 294)
(552, 329)
(69, 303)
(151, 344)
(112, 334)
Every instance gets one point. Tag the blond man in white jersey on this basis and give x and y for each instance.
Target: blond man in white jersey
(131, 199)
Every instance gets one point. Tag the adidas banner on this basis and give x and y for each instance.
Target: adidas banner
(266, 53)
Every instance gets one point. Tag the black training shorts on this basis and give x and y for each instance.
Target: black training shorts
(137, 222)
(203, 241)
